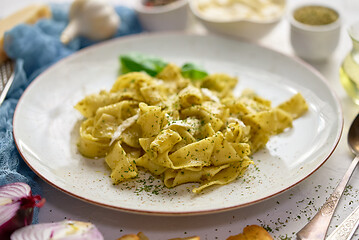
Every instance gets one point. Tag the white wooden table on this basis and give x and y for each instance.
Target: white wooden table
(283, 215)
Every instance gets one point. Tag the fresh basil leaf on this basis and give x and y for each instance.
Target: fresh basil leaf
(193, 71)
(135, 62)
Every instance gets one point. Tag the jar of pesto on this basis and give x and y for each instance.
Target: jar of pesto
(315, 31)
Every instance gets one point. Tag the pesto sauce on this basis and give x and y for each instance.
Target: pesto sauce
(156, 3)
(315, 15)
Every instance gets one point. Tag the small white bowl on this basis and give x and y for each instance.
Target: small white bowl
(314, 42)
(169, 17)
(238, 27)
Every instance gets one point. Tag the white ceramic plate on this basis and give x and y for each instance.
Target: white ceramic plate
(46, 124)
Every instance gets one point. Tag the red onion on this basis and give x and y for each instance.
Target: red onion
(64, 230)
(16, 207)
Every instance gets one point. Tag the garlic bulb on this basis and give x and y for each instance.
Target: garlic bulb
(94, 19)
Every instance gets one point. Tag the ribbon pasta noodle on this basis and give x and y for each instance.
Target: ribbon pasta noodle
(180, 130)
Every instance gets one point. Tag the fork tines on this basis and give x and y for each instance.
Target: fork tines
(6, 78)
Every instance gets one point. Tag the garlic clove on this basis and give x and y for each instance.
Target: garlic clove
(70, 32)
(94, 19)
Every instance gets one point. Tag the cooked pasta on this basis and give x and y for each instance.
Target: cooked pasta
(180, 130)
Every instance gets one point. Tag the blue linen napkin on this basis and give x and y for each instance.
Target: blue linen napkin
(35, 48)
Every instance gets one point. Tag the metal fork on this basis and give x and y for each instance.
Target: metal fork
(347, 228)
(6, 78)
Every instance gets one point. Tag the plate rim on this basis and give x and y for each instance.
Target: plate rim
(80, 52)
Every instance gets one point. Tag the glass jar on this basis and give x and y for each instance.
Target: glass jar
(349, 70)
